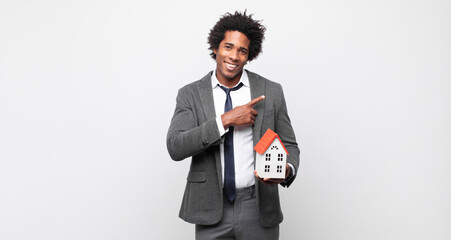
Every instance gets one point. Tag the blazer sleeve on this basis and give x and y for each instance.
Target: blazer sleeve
(189, 132)
(287, 135)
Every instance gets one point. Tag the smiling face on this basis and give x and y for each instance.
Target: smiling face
(231, 56)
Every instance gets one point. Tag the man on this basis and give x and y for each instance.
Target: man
(217, 122)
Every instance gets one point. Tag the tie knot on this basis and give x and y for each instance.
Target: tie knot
(228, 90)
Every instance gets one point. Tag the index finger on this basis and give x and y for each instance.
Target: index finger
(256, 100)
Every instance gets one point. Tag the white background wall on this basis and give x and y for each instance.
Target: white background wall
(87, 90)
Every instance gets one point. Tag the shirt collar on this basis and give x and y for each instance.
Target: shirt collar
(244, 79)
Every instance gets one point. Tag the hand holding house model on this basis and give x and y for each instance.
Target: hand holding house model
(271, 156)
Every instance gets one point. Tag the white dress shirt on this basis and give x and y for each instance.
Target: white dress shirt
(243, 144)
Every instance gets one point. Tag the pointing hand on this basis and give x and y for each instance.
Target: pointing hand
(241, 115)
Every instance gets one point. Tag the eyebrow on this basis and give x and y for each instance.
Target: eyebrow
(243, 48)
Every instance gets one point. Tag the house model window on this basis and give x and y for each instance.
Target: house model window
(268, 157)
(271, 157)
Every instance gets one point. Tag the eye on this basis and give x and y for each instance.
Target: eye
(228, 47)
(243, 52)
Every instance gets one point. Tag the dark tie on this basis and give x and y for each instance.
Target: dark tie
(229, 158)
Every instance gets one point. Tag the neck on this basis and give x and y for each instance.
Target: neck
(229, 82)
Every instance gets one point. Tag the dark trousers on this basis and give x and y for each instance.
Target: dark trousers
(239, 221)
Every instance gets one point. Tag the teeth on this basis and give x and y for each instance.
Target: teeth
(231, 65)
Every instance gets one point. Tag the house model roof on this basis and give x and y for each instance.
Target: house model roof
(266, 141)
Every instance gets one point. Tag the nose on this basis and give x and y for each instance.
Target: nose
(233, 55)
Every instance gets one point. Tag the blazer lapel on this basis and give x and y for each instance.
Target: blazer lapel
(257, 89)
(208, 105)
(206, 96)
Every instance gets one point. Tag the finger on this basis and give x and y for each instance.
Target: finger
(256, 174)
(258, 177)
(256, 100)
(254, 112)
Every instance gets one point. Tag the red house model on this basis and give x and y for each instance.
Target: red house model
(271, 157)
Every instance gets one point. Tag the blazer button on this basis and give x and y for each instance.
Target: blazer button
(204, 143)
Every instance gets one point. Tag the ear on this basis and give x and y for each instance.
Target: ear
(215, 50)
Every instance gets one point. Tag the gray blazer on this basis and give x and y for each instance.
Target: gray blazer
(193, 133)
